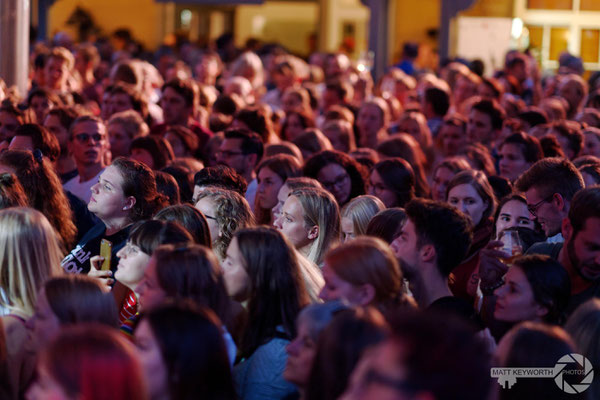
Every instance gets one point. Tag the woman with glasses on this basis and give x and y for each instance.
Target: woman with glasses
(339, 173)
(393, 182)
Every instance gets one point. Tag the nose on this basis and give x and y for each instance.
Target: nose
(463, 208)
(94, 188)
(277, 223)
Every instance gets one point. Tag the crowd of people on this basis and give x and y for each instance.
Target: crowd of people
(245, 224)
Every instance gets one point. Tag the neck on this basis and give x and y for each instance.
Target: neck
(305, 250)
(249, 176)
(65, 164)
(429, 286)
(87, 172)
(114, 225)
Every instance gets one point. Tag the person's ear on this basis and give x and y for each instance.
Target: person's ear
(251, 160)
(129, 203)
(559, 202)
(427, 253)
(541, 311)
(313, 232)
(365, 294)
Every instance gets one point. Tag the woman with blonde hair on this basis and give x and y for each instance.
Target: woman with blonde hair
(226, 211)
(30, 254)
(310, 219)
(364, 272)
(357, 214)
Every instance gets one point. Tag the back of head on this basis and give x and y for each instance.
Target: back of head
(360, 210)
(344, 339)
(29, 254)
(75, 299)
(552, 175)
(190, 271)
(190, 219)
(150, 234)
(399, 176)
(369, 261)
(12, 193)
(386, 224)
(251, 143)
(195, 368)
(221, 176)
(585, 205)
(94, 362)
(168, 186)
(41, 139)
(451, 243)
(160, 150)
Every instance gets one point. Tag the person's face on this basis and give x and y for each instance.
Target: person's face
(583, 249)
(301, 353)
(378, 375)
(143, 156)
(466, 199)
(569, 91)
(8, 125)
(512, 161)
(513, 213)
(282, 196)
(336, 180)
(237, 281)
(149, 290)
(40, 106)
(347, 229)
(230, 154)
(108, 200)
(336, 288)
(411, 126)
(52, 123)
(21, 143)
(378, 188)
(591, 146)
(330, 98)
(56, 73)
(293, 225)
(120, 102)
(207, 70)
(152, 361)
(291, 102)
(179, 148)
(479, 128)
(293, 128)
(406, 250)
(369, 122)
(119, 140)
(132, 265)
(175, 110)
(453, 139)
(515, 301)
(269, 184)
(45, 387)
(336, 138)
(208, 208)
(42, 326)
(441, 178)
(88, 143)
(545, 212)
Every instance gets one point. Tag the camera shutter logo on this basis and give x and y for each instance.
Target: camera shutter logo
(588, 373)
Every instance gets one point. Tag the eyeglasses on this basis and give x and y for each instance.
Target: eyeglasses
(85, 137)
(130, 249)
(533, 208)
(337, 182)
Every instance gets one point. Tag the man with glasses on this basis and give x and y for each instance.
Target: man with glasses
(242, 150)
(549, 186)
(88, 146)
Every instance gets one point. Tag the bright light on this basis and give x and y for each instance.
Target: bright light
(517, 28)
(186, 18)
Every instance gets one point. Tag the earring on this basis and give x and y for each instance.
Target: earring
(124, 208)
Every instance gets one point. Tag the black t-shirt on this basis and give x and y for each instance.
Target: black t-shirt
(460, 308)
(78, 260)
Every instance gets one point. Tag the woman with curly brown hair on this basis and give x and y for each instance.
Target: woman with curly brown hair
(226, 211)
(43, 189)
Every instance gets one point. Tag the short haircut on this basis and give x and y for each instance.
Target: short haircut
(184, 88)
(41, 140)
(552, 175)
(439, 100)
(65, 115)
(251, 142)
(221, 176)
(585, 205)
(158, 147)
(571, 132)
(530, 146)
(62, 54)
(451, 243)
(85, 118)
(493, 110)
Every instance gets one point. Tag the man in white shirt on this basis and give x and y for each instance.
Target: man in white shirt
(88, 145)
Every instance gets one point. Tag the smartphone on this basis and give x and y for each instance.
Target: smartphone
(106, 253)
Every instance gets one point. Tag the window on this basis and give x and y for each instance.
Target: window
(550, 4)
(590, 42)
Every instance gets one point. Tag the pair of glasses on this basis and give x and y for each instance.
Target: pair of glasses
(533, 208)
(337, 182)
(85, 137)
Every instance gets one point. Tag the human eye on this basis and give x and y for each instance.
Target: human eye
(453, 200)
(524, 221)
(505, 218)
(470, 201)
